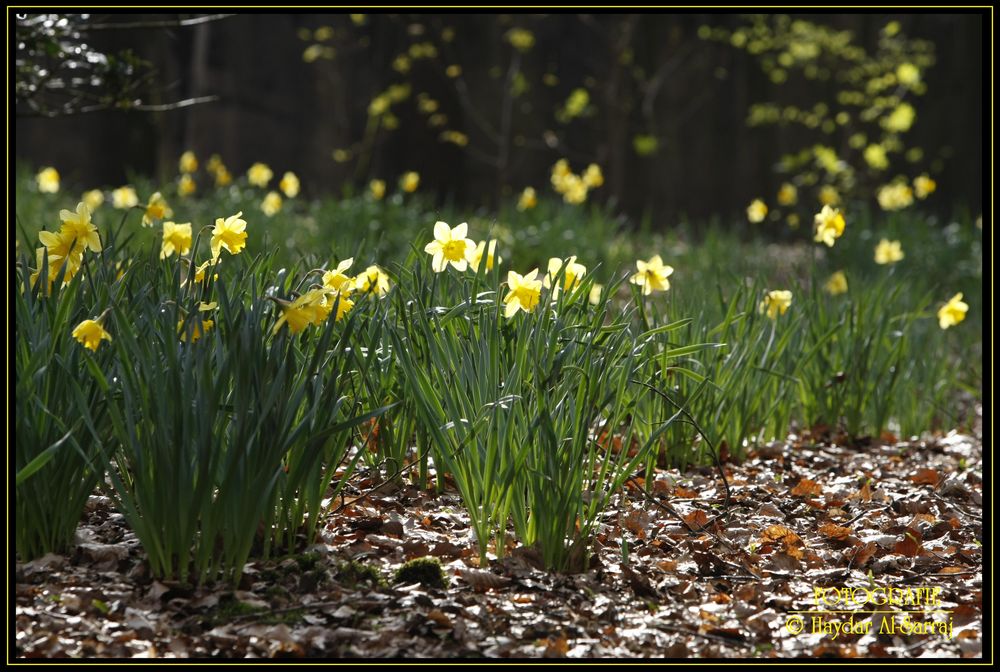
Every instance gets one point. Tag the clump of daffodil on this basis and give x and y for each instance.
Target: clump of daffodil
(527, 200)
(888, 251)
(523, 292)
(271, 204)
(64, 249)
(492, 257)
(788, 194)
(372, 279)
(90, 333)
(895, 196)
(924, 186)
(156, 209)
(757, 211)
(776, 302)
(377, 188)
(47, 180)
(94, 199)
(229, 234)
(574, 187)
(652, 275)
(188, 162)
(259, 175)
(186, 186)
(310, 308)
(836, 284)
(124, 198)
(830, 225)
(450, 246)
(952, 312)
(572, 276)
(289, 184)
(176, 238)
(410, 181)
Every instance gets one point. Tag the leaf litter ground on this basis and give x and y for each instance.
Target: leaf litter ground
(701, 580)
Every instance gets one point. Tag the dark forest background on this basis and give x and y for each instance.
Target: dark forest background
(645, 75)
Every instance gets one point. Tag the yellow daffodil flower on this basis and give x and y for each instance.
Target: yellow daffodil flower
(176, 238)
(524, 292)
(830, 225)
(652, 275)
(450, 246)
(952, 312)
(888, 251)
(229, 233)
(776, 302)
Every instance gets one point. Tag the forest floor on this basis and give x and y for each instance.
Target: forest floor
(704, 577)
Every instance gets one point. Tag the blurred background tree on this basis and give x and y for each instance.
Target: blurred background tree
(687, 114)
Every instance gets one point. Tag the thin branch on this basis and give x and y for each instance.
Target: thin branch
(139, 25)
(163, 107)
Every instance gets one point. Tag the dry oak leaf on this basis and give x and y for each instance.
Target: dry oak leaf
(834, 531)
(807, 488)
